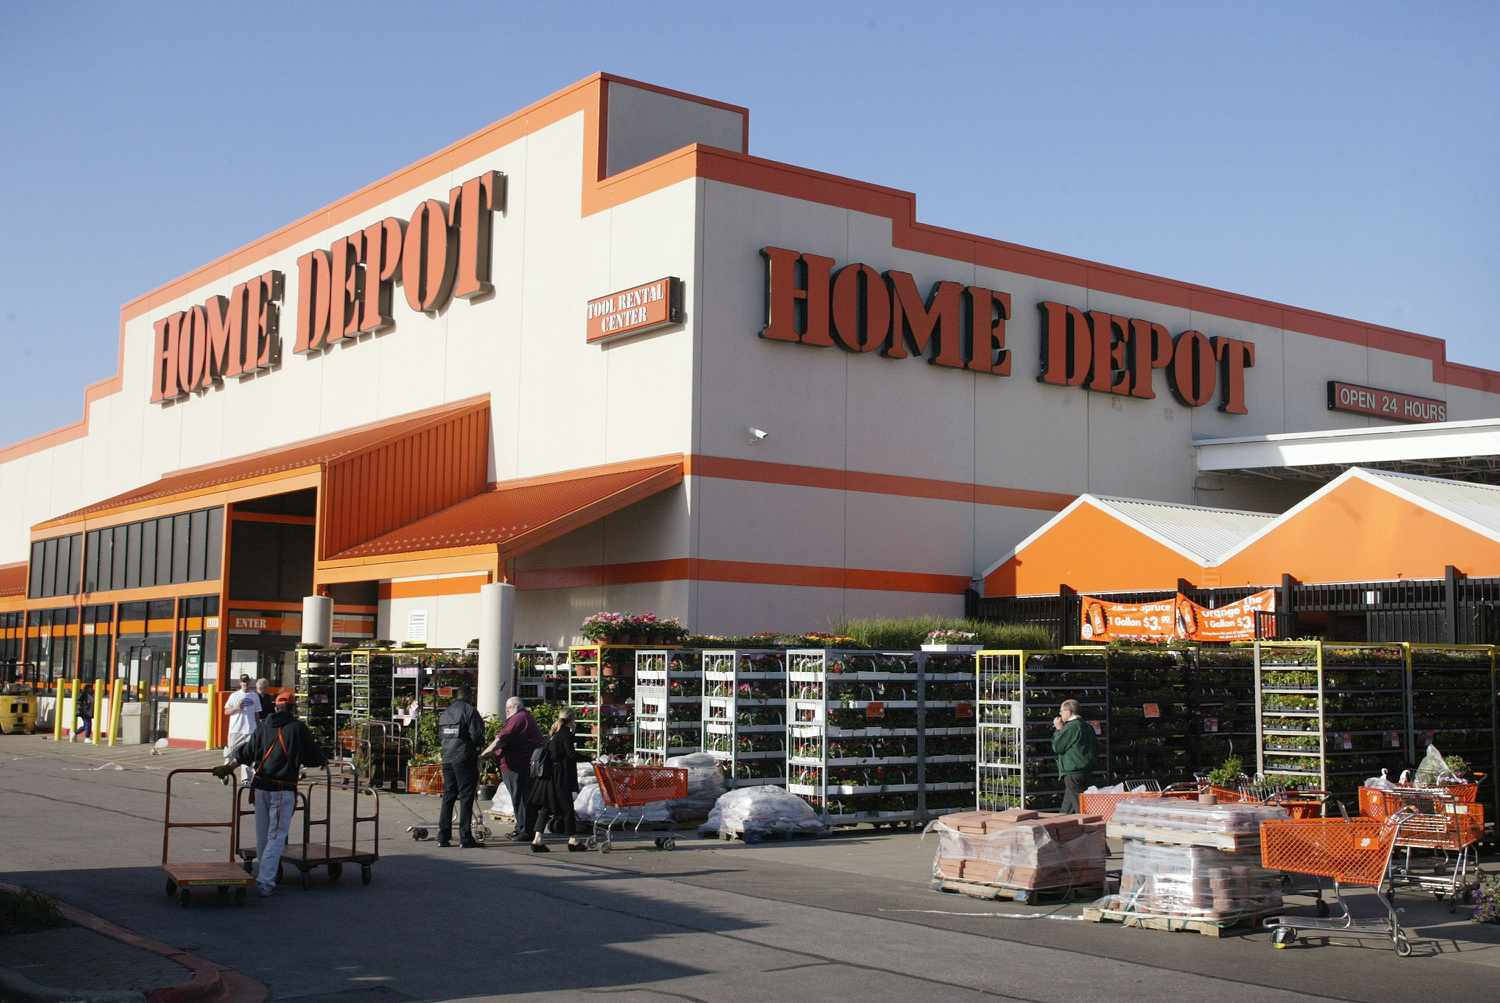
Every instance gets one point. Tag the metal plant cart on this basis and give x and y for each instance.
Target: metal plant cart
(744, 714)
(668, 699)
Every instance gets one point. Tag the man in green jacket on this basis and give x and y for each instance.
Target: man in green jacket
(1076, 746)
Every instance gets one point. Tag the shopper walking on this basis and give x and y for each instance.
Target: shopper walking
(243, 708)
(515, 743)
(267, 700)
(461, 730)
(84, 710)
(554, 784)
(279, 749)
(1076, 747)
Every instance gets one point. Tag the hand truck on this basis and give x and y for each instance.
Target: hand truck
(1353, 851)
(224, 876)
(626, 787)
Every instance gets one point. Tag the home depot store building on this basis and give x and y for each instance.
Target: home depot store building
(600, 352)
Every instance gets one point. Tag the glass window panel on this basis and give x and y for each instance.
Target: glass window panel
(75, 563)
(64, 560)
(159, 609)
(180, 531)
(148, 553)
(117, 555)
(106, 559)
(133, 556)
(213, 567)
(91, 564)
(49, 567)
(211, 606)
(38, 560)
(198, 545)
(164, 550)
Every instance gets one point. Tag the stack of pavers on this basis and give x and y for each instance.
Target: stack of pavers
(1018, 854)
(1189, 861)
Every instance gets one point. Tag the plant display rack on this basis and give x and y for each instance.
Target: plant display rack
(1150, 716)
(601, 688)
(1018, 695)
(372, 678)
(858, 736)
(1330, 714)
(315, 692)
(1221, 706)
(1452, 705)
(744, 714)
(541, 674)
(668, 704)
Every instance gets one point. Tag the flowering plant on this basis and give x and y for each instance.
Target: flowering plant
(1487, 900)
(951, 637)
(643, 628)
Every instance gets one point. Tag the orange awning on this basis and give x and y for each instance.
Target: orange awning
(12, 579)
(374, 477)
(510, 519)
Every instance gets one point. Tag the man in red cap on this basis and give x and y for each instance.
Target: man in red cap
(278, 750)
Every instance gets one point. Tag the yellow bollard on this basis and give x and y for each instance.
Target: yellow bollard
(73, 710)
(98, 711)
(116, 693)
(57, 713)
(213, 716)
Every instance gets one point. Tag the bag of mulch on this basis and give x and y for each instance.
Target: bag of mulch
(705, 787)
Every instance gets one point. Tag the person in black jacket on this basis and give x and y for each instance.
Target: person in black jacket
(278, 750)
(552, 793)
(461, 730)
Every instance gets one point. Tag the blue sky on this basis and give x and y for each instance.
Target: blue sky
(1340, 157)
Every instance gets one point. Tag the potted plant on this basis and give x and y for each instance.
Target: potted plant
(955, 642)
(1229, 773)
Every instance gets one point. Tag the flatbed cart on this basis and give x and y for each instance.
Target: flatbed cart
(1346, 851)
(310, 854)
(625, 787)
(1449, 829)
(224, 876)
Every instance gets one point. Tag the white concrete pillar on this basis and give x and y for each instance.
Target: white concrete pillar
(317, 620)
(497, 641)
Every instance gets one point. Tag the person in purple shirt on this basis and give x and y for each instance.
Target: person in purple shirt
(513, 745)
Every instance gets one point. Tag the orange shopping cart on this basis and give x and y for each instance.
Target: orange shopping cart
(1444, 829)
(1346, 851)
(628, 787)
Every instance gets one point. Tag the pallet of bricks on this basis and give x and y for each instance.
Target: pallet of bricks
(1019, 854)
(1190, 866)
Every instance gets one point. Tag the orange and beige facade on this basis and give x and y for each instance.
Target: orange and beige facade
(600, 351)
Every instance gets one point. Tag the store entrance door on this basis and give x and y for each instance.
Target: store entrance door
(152, 670)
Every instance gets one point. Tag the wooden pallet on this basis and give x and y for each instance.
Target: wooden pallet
(1225, 927)
(1028, 896)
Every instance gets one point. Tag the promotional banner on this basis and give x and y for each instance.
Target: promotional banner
(1127, 621)
(1234, 622)
(1176, 619)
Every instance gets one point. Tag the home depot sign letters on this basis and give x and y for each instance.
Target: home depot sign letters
(440, 252)
(860, 309)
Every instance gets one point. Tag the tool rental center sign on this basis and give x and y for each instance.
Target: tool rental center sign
(440, 253)
(860, 309)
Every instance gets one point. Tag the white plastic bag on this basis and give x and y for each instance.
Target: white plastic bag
(705, 787)
(762, 811)
(500, 806)
(589, 805)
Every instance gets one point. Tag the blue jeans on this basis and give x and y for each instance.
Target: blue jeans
(273, 819)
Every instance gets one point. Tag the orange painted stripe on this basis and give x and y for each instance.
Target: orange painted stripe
(743, 572)
(873, 483)
(460, 586)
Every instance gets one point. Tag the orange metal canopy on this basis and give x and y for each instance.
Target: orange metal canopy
(13, 579)
(373, 477)
(505, 521)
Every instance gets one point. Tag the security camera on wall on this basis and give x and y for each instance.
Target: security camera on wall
(756, 434)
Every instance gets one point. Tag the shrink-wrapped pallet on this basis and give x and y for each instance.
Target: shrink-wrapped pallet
(1021, 850)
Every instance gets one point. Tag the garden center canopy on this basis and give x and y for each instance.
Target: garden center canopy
(1365, 525)
(1457, 450)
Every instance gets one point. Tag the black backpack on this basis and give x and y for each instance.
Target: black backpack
(541, 763)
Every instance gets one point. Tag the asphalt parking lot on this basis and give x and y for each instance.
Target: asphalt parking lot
(844, 917)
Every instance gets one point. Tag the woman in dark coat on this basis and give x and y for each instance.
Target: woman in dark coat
(553, 796)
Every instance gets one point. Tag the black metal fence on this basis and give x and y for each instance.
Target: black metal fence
(1448, 610)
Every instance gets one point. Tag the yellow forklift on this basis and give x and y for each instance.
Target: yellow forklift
(17, 710)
